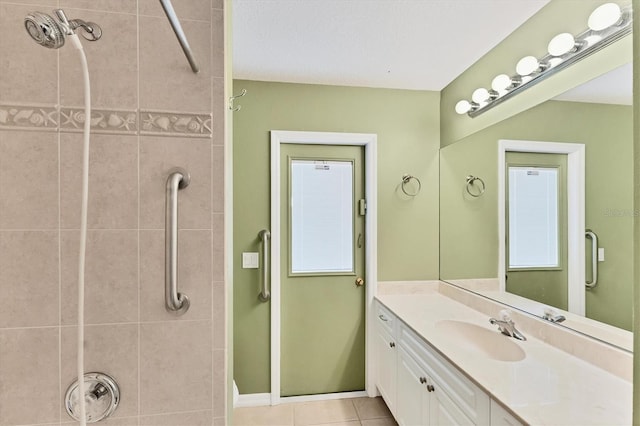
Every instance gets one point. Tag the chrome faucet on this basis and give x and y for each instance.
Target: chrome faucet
(506, 326)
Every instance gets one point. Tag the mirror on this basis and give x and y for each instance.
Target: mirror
(597, 114)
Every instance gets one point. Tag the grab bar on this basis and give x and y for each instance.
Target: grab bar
(594, 258)
(175, 302)
(177, 29)
(265, 236)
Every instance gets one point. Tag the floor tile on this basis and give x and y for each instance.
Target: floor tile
(279, 415)
(320, 412)
(371, 408)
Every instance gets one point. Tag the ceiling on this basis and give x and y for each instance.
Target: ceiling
(404, 44)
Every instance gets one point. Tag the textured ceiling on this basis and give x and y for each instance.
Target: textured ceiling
(408, 44)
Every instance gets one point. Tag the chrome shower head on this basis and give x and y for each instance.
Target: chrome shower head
(49, 32)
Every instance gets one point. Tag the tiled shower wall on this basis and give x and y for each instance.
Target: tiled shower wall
(151, 113)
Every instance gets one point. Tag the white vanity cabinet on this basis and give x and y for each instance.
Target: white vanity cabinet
(386, 355)
(420, 386)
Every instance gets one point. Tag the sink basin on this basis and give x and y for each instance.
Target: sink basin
(489, 343)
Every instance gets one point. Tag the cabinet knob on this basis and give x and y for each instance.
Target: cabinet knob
(392, 345)
(430, 388)
(423, 380)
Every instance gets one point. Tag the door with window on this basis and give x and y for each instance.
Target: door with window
(322, 268)
(536, 212)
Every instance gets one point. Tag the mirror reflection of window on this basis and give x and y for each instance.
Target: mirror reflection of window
(533, 218)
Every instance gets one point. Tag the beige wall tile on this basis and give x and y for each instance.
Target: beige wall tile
(314, 413)
(218, 179)
(175, 372)
(29, 71)
(112, 421)
(113, 63)
(217, 43)
(111, 276)
(120, 6)
(194, 418)
(51, 3)
(109, 349)
(33, 292)
(169, 83)
(371, 408)
(29, 361)
(219, 106)
(29, 176)
(158, 155)
(199, 10)
(218, 247)
(219, 316)
(113, 181)
(219, 385)
(194, 275)
(217, 4)
(277, 415)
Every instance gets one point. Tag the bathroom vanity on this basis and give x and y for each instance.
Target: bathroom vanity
(440, 362)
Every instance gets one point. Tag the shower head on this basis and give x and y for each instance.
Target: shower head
(49, 32)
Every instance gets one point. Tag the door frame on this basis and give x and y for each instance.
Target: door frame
(575, 213)
(369, 142)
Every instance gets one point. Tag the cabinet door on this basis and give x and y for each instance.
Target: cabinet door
(501, 417)
(386, 367)
(412, 403)
(444, 412)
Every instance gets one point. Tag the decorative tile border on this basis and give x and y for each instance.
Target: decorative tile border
(29, 117)
(102, 121)
(168, 123)
(71, 119)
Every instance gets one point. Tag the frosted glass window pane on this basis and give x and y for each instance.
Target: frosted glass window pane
(533, 217)
(321, 216)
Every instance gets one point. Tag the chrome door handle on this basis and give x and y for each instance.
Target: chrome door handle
(594, 259)
(265, 294)
(175, 302)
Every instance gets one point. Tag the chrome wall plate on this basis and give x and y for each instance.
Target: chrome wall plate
(102, 396)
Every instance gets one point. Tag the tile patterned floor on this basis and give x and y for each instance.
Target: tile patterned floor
(341, 412)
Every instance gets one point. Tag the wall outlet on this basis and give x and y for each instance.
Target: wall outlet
(249, 260)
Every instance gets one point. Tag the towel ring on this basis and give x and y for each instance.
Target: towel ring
(406, 178)
(470, 180)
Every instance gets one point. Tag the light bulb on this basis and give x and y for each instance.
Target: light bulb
(463, 107)
(480, 95)
(561, 44)
(604, 16)
(527, 65)
(501, 83)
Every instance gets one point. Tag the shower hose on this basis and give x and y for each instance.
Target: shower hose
(83, 225)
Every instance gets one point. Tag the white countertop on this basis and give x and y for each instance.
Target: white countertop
(548, 387)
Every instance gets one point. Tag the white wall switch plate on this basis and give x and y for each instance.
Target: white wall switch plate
(249, 260)
(600, 254)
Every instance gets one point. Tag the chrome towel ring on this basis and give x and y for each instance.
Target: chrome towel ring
(406, 178)
(470, 180)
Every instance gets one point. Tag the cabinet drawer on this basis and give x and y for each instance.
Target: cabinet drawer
(471, 400)
(385, 319)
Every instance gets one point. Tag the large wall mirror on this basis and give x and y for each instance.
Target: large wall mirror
(512, 242)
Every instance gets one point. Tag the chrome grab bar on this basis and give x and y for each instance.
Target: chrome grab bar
(175, 302)
(177, 29)
(265, 294)
(594, 258)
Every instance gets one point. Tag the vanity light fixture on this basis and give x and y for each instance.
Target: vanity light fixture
(607, 24)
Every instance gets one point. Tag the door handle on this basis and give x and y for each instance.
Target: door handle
(359, 282)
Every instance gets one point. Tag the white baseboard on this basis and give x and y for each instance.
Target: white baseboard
(253, 400)
(264, 399)
(323, 397)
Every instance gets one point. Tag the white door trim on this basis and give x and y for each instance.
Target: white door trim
(575, 212)
(369, 141)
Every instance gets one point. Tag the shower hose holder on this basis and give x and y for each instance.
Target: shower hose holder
(102, 396)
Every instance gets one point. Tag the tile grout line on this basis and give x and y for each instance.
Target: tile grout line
(59, 139)
(138, 115)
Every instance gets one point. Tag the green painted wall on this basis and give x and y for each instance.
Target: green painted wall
(469, 228)
(636, 219)
(408, 127)
(531, 38)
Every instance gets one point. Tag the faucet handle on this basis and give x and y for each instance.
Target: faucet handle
(505, 315)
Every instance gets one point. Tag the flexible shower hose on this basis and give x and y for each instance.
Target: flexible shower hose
(83, 225)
